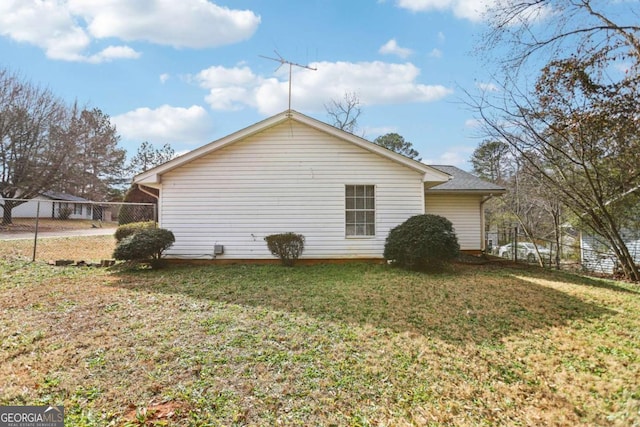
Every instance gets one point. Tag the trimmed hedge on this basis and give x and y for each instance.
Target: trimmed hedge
(147, 244)
(286, 246)
(130, 229)
(423, 242)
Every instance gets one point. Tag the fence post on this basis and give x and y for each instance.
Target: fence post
(35, 235)
(515, 244)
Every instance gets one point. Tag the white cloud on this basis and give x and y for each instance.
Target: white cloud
(45, 24)
(487, 87)
(391, 48)
(165, 124)
(114, 52)
(378, 131)
(164, 77)
(185, 23)
(472, 123)
(65, 29)
(435, 53)
(441, 37)
(472, 10)
(457, 156)
(376, 83)
(475, 10)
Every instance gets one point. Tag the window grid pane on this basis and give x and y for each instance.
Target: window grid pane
(360, 210)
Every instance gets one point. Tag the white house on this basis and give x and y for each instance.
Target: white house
(50, 204)
(597, 256)
(292, 173)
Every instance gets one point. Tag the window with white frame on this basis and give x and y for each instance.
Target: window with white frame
(360, 212)
(77, 209)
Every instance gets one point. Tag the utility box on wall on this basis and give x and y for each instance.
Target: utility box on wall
(218, 249)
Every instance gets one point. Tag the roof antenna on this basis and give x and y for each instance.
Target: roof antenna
(282, 62)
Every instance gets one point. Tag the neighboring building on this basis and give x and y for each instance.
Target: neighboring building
(597, 256)
(53, 204)
(292, 173)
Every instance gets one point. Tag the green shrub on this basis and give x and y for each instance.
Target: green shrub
(286, 246)
(145, 245)
(130, 229)
(423, 242)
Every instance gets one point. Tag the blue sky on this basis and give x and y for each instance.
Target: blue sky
(188, 72)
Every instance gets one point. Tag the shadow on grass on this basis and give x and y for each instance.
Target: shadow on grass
(471, 304)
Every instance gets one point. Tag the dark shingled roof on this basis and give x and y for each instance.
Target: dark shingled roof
(464, 182)
(64, 197)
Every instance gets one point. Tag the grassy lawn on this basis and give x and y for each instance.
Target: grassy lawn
(89, 249)
(323, 345)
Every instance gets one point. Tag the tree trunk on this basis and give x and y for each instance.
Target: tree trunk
(7, 213)
(626, 260)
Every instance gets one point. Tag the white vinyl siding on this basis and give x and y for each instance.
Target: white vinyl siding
(360, 212)
(464, 213)
(289, 178)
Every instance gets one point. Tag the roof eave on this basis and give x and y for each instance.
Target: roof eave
(153, 176)
(479, 192)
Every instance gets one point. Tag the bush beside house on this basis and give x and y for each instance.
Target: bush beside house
(423, 242)
(147, 244)
(286, 246)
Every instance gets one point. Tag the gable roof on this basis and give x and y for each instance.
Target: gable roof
(464, 182)
(54, 195)
(153, 176)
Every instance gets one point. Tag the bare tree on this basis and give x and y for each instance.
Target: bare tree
(577, 128)
(344, 113)
(35, 146)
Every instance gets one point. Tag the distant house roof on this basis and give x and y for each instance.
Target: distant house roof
(464, 182)
(64, 197)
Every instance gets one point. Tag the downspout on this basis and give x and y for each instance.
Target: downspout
(483, 241)
(141, 188)
(155, 208)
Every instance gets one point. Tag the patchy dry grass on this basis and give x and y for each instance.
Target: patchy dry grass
(49, 224)
(89, 249)
(320, 345)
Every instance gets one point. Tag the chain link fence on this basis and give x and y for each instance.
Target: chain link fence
(577, 251)
(513, 244)
(65, 230)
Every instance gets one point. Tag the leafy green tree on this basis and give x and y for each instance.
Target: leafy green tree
(492, 160)
(148, 157)
(397, 143)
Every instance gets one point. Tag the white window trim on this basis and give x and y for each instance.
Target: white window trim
(375, 212)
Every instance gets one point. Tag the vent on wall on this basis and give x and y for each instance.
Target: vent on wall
(218, 249)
